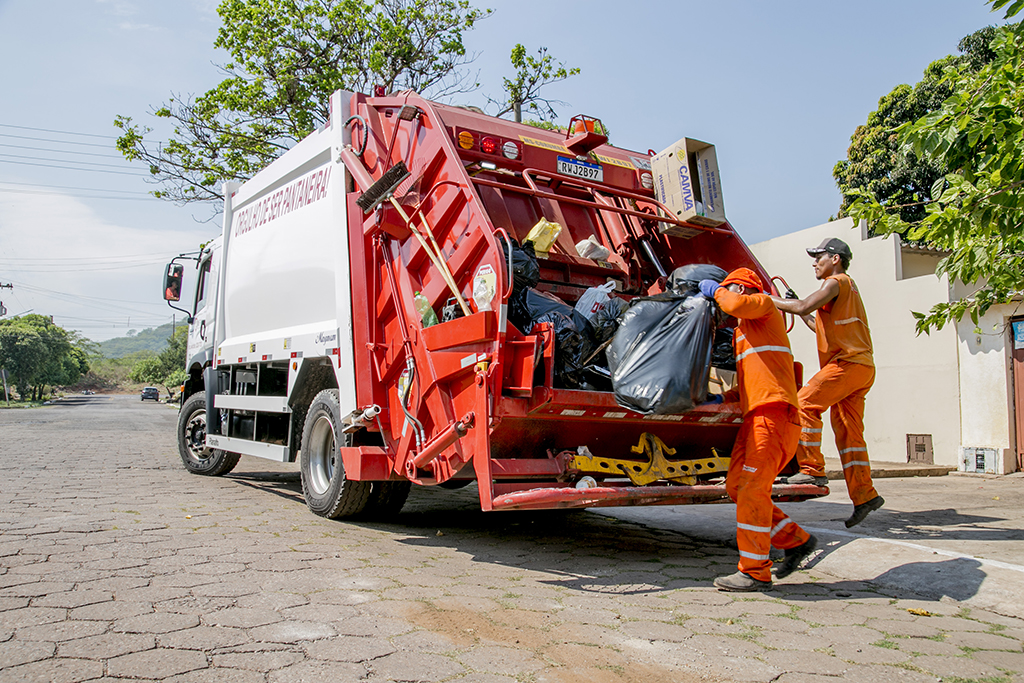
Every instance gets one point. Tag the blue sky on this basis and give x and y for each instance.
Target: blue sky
(778, 87)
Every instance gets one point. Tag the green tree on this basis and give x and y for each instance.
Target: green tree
(532, 74)
(22, 352)
(876, 159)
(287, 57)
(37, 353)
(166, 369)
(975, 211)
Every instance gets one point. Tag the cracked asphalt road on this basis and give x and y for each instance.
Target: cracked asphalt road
(117, 564)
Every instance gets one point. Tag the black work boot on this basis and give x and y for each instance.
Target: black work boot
(794, 556)
(861, 511)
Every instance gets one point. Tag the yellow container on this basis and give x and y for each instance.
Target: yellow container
(543, 235)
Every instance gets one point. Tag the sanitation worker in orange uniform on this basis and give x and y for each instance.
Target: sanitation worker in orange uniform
(767, 395)
(847, 372)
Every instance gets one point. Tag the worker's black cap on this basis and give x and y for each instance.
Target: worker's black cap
(831, 246)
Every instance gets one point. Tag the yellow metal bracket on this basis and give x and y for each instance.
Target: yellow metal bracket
(656, 467)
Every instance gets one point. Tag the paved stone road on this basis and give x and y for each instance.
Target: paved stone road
(117, 564)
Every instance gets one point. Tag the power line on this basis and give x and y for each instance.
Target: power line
(62, 142)
(66, 161)
(65, 187)
(72, 168)
(83, 296)
(84, 197)
(86, 268)
(63, 151)
(83, 258)
(61, 132)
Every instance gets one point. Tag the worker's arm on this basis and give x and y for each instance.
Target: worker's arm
(805, 307)
(749, 306)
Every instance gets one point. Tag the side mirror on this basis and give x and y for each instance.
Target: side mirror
(172, 281)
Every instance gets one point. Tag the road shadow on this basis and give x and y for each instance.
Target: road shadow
(958, 578)
(917, 526)
(586, 552)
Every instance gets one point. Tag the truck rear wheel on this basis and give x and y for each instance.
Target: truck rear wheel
(326, 490)
(197, 458)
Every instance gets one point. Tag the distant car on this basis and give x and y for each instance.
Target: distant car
(150, 392)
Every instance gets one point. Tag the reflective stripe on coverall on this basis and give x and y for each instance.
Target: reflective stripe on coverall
(847, 372)
(767, 438)
(841, 386)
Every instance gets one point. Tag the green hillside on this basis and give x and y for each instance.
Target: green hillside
(154, 339)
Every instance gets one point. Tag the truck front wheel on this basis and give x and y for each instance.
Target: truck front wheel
(326, 490)
(197, 458)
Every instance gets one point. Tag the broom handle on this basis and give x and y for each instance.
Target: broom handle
(425, 226)
(435, 259)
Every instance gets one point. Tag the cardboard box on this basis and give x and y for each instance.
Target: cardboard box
(699, 202)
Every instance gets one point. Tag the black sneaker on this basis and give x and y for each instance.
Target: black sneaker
(861, 511)
(794, 556)
(807, 479)
(741, 583)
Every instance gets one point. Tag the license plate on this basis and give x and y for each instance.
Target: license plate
(580, 169)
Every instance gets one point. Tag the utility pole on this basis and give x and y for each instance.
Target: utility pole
(3, 309)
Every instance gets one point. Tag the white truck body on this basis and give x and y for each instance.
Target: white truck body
(284, 291)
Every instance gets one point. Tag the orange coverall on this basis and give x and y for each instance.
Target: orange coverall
(847, 372)
(768, 399)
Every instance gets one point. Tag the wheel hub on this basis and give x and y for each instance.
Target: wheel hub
(323, 456)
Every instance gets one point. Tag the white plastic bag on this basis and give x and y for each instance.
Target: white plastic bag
(594, 299)
(592, 249)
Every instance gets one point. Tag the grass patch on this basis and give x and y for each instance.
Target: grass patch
(886, 643)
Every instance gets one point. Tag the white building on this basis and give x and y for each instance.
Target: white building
(950, 393)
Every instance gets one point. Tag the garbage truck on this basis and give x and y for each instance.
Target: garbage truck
(353, 317)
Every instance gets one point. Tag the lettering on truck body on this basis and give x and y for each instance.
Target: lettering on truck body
(297, 194)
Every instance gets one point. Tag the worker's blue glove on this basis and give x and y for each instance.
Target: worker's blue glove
(713, 399)
(708, 288)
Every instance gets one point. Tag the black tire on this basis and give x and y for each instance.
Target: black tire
(386, 499)
(324, 486)
(197, 458)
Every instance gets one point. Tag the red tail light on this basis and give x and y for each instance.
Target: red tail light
(489, 145)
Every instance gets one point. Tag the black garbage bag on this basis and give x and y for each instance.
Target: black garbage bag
(723, 356)
(525, 271)
(573, 333)
(660, 357)
(684, 279)
(607, 319)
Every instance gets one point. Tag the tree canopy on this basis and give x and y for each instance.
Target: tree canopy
(287, 57)
(532, 74)
(974, 210)
(168, 367)
(37, 353)
(876, 159)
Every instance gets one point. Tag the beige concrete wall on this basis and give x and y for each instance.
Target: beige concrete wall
(987, 379)
(916, 389)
